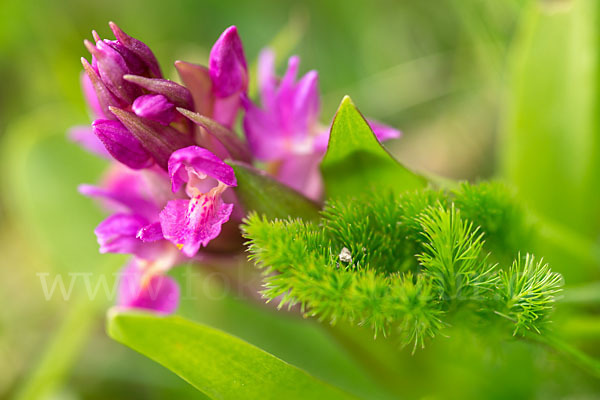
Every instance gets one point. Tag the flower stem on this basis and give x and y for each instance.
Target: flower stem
(577, 357)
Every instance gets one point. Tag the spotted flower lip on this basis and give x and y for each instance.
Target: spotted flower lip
(191, 224)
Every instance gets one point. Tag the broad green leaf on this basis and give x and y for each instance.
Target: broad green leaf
(356, 161)
(261, 193)
(219, 365)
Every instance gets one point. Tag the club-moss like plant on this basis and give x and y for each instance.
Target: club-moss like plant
(408, 262)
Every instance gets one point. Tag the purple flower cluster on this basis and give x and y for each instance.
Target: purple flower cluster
(168, 187)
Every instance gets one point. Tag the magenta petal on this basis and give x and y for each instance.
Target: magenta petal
(160, 294)
(201, 162)
(225, 109)
(117, 233)
(134, 64)
(159, 140)
(383, 132)
(262, 132)
(267, 80)
(150, 233)
(105, 98)
(138, 48)
(90, 96)
(193, 223)
(121, 144)
(289, 78)
(155, 107)
(289, 114)
(111, 68)
(125, 190)
(84, 136)
(301, 172)
(306, 104)
(320, 142)
(227, 64)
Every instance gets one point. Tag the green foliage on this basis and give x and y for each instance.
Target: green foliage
(550, 137)
(256, 191)
(527, 291)
(219, 365)
(498, 213)
(405, 262)
(355, 159)
(453, 258)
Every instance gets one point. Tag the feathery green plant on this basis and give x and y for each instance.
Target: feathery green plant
(407, 262)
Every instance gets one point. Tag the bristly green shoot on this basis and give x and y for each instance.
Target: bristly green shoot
(453, 256)
(407, 263)
(527, 292)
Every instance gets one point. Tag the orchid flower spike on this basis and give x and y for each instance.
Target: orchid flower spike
(132, 104)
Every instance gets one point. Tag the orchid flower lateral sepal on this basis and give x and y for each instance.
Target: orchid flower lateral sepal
(135, 199)
(191, 224)
(119, 234)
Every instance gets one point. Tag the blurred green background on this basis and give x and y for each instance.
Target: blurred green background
(480, 88)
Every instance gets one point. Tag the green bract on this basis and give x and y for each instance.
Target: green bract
(356, 161)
